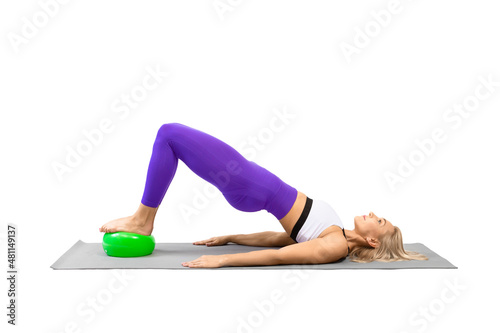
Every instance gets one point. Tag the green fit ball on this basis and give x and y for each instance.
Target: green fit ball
(127, 244)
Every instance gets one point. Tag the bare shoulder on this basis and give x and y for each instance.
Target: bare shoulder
(334, 237)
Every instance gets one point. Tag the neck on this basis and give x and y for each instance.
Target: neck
(354, 240)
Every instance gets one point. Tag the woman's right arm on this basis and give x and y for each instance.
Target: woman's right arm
(266, 238)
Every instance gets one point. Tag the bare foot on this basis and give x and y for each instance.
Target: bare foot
(139, 223)
(128, 224)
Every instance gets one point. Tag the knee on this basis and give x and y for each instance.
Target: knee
(169, 131)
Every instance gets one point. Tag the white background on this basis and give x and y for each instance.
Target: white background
(228, 74)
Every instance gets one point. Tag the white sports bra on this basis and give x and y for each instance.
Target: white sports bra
(315, 218)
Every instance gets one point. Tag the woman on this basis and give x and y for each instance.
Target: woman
(314, 234)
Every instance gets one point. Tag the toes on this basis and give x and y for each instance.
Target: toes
(104, 229)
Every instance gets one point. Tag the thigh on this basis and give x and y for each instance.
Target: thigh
(252, 188)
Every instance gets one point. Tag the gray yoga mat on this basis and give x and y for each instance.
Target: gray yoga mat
(171, 256)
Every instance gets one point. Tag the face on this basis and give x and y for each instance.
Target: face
(372, 226)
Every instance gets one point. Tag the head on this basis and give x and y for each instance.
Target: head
(383, 241)
(372, 228)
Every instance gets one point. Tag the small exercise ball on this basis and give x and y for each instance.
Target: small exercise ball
(127, 244)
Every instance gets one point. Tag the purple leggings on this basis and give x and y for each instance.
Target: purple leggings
(245, 185)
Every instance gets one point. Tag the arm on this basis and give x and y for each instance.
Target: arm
(315, 251)
(253, 258)
(266, 238)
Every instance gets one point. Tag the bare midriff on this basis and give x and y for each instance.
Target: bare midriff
(289, 220)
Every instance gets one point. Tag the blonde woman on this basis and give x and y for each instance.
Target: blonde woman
(314, 233)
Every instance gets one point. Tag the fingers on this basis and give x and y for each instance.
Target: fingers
(210, 241)
(200, 262)
(189, 264)
(193, 263)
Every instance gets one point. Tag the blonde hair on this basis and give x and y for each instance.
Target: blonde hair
(390, 249)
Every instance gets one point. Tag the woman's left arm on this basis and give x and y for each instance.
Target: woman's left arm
(316, 251)
(253, 258)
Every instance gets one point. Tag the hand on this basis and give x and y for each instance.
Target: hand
(207, 261)
(214, 241)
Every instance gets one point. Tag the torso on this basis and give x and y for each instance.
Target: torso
(289, 220)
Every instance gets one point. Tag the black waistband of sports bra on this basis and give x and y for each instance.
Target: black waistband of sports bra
(302, 219)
